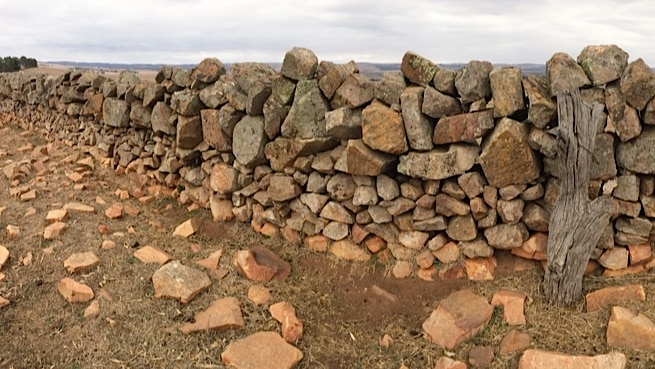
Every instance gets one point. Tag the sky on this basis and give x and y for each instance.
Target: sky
(444, 31)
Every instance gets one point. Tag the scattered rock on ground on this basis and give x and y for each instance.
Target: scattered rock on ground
(512, 303)
(221, 315)
(481, 356)
(539, 359)
(514, 341)
(285, 314)
(177, 281)
(261, 265)
(445, 362)
(152, 254)
(187, 228)
(74, 291)
(259, 294)
(614, 295)
(458, 317)
(81, 261)
(261, 350)
(627, 329)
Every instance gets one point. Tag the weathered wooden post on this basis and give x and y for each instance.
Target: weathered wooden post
(576, 222)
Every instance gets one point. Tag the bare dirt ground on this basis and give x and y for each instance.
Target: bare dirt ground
(343, 318)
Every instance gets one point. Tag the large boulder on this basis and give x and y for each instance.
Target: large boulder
(463, 127)
(208, 71)
(472, 82)
(507, 158)
(603, 63)
(417, 126)
(249, 140)
(638, 155)
(383, 129)
(359, 159)
(116, 113)
(417, 69)
(299, 64)
(306, 118)
(565, 74)
(189, 132)
(638, 84)
(543, 109)
(506, 90)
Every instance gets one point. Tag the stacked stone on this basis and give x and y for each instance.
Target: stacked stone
(426, 166)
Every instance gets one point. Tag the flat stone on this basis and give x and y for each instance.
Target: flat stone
(81, 261)
(355, 91)
(383, 129)
(514, 341)
(506, 90)
(507, 158)
(539, 359)
(512, 303)
(249, 140)
(445, 362)
(258, 294)
(478, 248)
(179, 282)
(388, 189)
(74, 291)
(344, 123)
(389, 88)
(222, 315)
(401, 269)
(212, 260)
(463, 127)
(639, 253)
(261, 350)
(565, 74)
(58, 215)
(336, 231)
(448, 253)
(283, 152)
(439, 163)
(152, 254)
(481, 356)
(534, 247)
(4, 256)
(260, 264)
(347, 250)
(187, 228)
(114, 211)
(292, 327)
(75, 207)
(614, 295)
(458, 317)
(54, 230)
(92, 310)
(283, 188)
(630, 330)
(603, 63)
(188, 131)
(337, 212)
(413, 239)
(638, 155)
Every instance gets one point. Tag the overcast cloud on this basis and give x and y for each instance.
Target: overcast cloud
(186, 31)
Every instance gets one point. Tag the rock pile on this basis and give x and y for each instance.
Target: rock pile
(424, 164)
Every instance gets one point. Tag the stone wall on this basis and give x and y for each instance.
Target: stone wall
(433, 170)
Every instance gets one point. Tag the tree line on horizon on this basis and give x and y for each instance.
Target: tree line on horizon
(13, 63)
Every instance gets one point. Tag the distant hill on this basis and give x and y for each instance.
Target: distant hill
(372, 70)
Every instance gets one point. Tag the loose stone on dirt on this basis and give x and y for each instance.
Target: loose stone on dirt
(261, 350)
(74, 291)
(177, 281)
(152, 254)
(223, 314)
(81, 261)
(261, 265)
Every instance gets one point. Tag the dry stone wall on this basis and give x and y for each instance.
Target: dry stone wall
(431, 169)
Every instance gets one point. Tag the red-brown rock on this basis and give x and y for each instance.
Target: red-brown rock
(614, 295)
(223, 314)
(261, 265)
(261, 350)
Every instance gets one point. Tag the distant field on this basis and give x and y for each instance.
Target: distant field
(56, 70)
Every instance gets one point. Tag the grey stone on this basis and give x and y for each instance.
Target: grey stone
(603, 165)
(444, 81)
(627, 187)
(542, 141)
(140, 115)
(638, 155)
(565, 74)
(506, 236)
(208, 71)
(449, 206)
(638, 84)
(306, 118)
(437, 104)
(478, 248)
(472, 82)
(336, 231)
(603, 63)
(542, 109)
(249, 140)
(462, 228)
(634, 226)
(344, 123)
(506, 90)
(387, 188)
(116, 113)
(365, 195)
(472, 183)
(299, 64)
(389, 88)
(510, 211)
(439, 163)
(283, 188)
(437, 223)
(512, 191)
(535, 218)
(399, 205)
(417, 126)
(186, 103)
(355, 91)
(341, 187)
(179, 282)
(379, 214)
